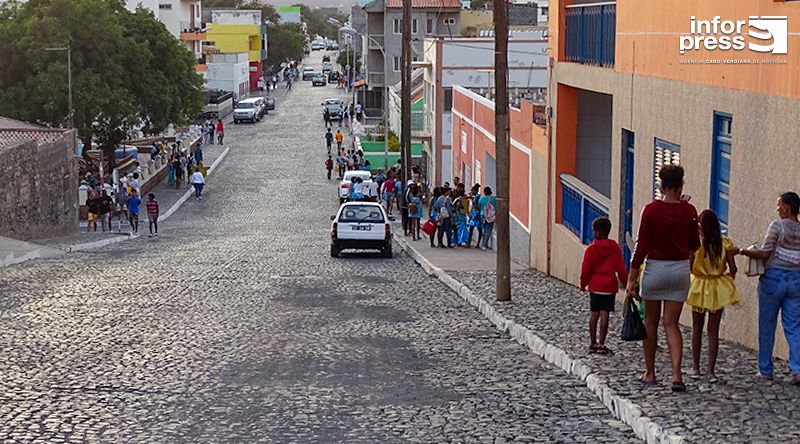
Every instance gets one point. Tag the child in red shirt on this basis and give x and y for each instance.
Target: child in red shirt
(602, 271)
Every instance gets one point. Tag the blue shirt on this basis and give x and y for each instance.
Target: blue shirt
(133, 204)
(485, 200)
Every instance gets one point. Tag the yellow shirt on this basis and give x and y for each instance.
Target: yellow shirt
(711, 289)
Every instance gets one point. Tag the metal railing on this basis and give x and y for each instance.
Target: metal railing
(375, 41)
(195, 26)
(580, 205)
(590, 33)
(375, 79)
(420, 121)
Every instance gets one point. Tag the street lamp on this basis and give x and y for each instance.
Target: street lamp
(69, 79)
(351, 30)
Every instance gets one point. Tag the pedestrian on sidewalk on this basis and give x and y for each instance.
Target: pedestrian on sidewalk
(475, 221)
(404, 198)
(105, 210)
(171, 171)
(198, 182)
(198, 154)
(134, 183)
(329, 165)
(779, 287)
(339, 139)
(341, 163)
(220, 132)
(93, 205)
(488, 204)
(460, 217)
(388, 191)
(711, 289)
(358, 111)
(668, 235)
(211, 128)
(414, 211)
(326, 116)
(602, 271)
(445, 207)
(329, 139)
(152, 213)
(433, 213)
(133, 211)
(177, 164)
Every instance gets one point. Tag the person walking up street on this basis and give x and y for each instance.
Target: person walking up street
(602, 271)
(388, 191)
(488, 204)
(133, 211)
(358, 111)
(329, 139)
(668, 236)
(339, 139)
(105, 210)
(198, 154)
(711, 289)
(220, 133)
(326, 116)
(198, 182)
(329, 166)
(211, 128)
(177, 164)
(152, 213)
(779, 287)
(93, 205)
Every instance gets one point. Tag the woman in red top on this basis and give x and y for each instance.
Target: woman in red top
(220, 131)
(668, 236)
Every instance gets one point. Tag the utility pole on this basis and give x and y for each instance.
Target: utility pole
(502, 149)
(405, 138)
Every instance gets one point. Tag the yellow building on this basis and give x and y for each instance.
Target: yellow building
(238, 31)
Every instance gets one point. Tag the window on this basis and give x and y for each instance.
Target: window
(429, 26)
(464, 142)
(721, 167)
(397, 26)
(414, 59)
(414, 27)
(165, 7)
(396, 64)
(448, 100)
(665, 153)
(450, 21)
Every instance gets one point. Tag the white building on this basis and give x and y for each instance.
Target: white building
(179, 16)
(229, 72)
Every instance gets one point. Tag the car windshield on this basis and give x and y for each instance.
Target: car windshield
(246, 105)
(351, 174)
(361, 213)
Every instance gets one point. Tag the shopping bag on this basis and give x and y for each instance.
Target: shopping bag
(632, 325)
(755, 267)
(429, 228)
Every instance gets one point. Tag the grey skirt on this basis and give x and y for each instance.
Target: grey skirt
(665, 280)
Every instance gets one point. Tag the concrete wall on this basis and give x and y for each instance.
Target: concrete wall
(763, 161)
(593, 141)
(229, 72)
(39, 189)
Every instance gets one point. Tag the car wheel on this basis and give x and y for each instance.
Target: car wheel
(334, 251)
(387, 252)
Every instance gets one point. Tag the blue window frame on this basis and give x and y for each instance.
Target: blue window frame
(664, 153)
(721, 167)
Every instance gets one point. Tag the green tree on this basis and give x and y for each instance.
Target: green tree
(286, 42)
(317, 22)
(268, 12)
(128, 70)
(353, 58)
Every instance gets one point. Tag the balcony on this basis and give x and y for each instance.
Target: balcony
(375, 41)
(375, 79)
(420, 124)
(590, 33)
(580, 205)
(193, 31)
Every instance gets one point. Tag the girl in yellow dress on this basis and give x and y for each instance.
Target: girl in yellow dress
(711, 289)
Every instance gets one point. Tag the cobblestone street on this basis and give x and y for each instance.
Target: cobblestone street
(236, 325)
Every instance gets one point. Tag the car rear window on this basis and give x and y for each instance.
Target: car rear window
(361, 213)
(245, 105)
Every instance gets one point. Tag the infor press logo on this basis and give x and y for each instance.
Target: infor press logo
(759, 34)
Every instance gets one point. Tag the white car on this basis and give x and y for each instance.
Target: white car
(344, 186)
(247, 109)
(362, 226)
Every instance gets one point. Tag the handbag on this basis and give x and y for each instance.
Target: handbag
(755, 267)
(429, 228)
(632, 326)
(412, 208)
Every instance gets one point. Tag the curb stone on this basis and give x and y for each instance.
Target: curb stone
(190, 191)
(100, 243)
(620, 407)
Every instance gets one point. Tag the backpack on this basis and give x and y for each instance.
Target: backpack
(489, 214)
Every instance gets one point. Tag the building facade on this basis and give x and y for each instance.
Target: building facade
(635, 88)
(229, 72)
(234, 31)
(384, 26)
(289, 14)
(182, 18)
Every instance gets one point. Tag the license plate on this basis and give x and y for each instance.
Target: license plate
(362, 227)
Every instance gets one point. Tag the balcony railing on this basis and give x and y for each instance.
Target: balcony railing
(420, 123)
(375, 41)
(580, 205)
(375, 79)
(591, 33)
(193, 26)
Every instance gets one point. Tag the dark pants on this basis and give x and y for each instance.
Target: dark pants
(198, 190)
(445, 229)
(329, 174)
(404, 216)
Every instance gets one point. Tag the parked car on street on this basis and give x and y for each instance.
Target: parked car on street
(317, 46)
(335, 108)
(361, 226)
(327, 67)
(319, 80)
(333, 76)
(247, 109)
(269, 103)
(308, 73)
(347, 181)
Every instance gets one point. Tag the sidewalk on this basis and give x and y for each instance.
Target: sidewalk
(550, 317)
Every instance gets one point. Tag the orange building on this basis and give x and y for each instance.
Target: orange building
(711, 85)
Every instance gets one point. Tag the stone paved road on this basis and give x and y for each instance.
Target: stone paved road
(235, 325)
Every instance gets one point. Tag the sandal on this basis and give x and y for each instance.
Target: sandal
(603, 350)
(593, 348)
(645, 383)
(712, 379)
(762, 377)
(695, 374)
(678, 387)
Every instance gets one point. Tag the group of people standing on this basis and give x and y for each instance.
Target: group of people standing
(682, 257)
(211, 128)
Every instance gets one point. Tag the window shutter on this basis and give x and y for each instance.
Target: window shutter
(664, 153)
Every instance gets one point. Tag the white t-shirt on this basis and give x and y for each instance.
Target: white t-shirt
(373, 189)
(197, 177)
